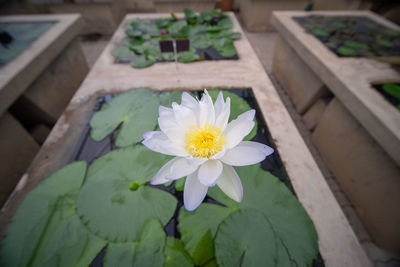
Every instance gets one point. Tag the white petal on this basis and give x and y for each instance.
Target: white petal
(230, 183)
(189, 101)
(219, 104)
(165, 112)
(159, 178)
(196, 161)
(219, 154)
(206, 113)
(246, 153)
(221, 120)
(209, 172)
(180, 168)
(184, 116)
(239, 128)
(194, 192)
(159, 142)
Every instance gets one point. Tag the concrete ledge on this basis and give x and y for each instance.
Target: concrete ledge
(368, 176)
(298, 80)
(348, 78)
(17, 75)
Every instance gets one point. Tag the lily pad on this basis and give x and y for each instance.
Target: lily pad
(177, 26)
(148, 251)
(392, 89)
(188, 56)
(238, 106)
(295, 238)
(167, 98)
(142, 62)
(176, 254)
(122, 52)
(200, 41)
(45, 230)
(135, 110)
(198, 228)
(225, 23)
(246, 238)
(115, 194)
(346, 51)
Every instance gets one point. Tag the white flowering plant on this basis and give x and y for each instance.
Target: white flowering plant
(205, 146)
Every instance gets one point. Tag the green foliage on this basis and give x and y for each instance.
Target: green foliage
(346, 51)
(135, 110)
(203, 31)
(356, 45)
(176, 254)
(265, 195)
(108, 185)
(46, 230)
(392, 89)
(384, 43)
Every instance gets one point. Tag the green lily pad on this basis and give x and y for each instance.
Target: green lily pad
(148, 251)
(168, 56)
(200, 41)
(142, 62)
(384, 43)
(198, 228)
(346, 51)
(321, 32)
(188, 56)
(238, 106)
(356, 45)
(225, 23)
(176, 254)
(177, 26)
(119, 254)
(295, 238)
(45, 230)
(167, 98)
(391, 32)
(122, 52)
(163, 23)
(190, 15)
(136, 110)
(180, 184)
(392, 89)
(267, 194)
(246, 238)
(109, 196)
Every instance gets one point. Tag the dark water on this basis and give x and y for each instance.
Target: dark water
(89, 150)
(355, 36)
(393, 100)
(17, 36)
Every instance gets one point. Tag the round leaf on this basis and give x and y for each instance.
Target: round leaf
(245, 238)
(176, 254)
(111, 207)
(136, 109)
(122, 52)
(142, 62)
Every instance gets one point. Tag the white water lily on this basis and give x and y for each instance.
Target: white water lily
(205, 145)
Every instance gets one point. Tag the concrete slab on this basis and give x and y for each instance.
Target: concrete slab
(17, 75)
(338, 244)
(348, 78)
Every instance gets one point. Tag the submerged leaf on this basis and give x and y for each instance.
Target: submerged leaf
(136, 110)
(392, 89)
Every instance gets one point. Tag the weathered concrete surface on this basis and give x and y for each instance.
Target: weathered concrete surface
(256, 14)
(349, 78)
(298, 80)
(54, 88)
(314, 113)
(369, 177)
(17, 75)
(99, 17)
(164, 6)
(17, 151)
(338, 243)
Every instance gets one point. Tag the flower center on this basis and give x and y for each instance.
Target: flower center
(204, 141)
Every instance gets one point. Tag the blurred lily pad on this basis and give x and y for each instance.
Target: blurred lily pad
(135, 110)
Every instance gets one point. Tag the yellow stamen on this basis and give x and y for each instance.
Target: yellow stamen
(204, 141)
